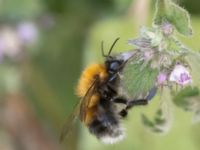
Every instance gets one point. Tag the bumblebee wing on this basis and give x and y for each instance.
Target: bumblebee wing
(80, 109)
(86, 99)
(70, 122)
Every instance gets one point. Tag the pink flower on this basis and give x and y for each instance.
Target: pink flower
(27, 32)
(180, 75)
(161, 78)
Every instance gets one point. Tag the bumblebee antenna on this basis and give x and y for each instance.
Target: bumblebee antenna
(102, 50)
(110, 50)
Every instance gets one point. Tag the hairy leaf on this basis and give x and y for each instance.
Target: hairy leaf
(183, 98)
(167, 11)
(138, 78)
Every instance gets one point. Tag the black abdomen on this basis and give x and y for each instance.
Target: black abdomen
(106, 125)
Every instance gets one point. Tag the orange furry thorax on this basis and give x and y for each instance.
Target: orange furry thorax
(88, 76)
(86, 80)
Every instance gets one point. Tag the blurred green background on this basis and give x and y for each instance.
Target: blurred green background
(44, 45)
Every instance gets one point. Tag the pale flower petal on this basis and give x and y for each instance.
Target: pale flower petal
(161, 78)
(180, 75)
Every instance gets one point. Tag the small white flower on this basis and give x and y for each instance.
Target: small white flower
(180, 75)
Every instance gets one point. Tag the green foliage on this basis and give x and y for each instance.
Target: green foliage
(156, 123)
(183, 98)
(10, 79)
(20, 9)
(167, 11)
(163, 118)
(189, 100)
(192, 7)
(175, 45)
(138, 78)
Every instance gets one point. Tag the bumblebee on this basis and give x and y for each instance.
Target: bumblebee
(98, 91)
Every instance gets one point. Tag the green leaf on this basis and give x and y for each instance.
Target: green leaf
(176, 46)
(160, 123)
(189, 99)
(155, 124)
(167, 11)
(183, 97)
(138, 78)
(147, 122)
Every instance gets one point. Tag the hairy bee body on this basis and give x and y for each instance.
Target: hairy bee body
(100, 115)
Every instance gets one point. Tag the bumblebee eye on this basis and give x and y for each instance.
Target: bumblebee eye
(114, 66)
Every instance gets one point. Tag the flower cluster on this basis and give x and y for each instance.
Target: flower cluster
(154, 48)
(161, 61)
(179, 75)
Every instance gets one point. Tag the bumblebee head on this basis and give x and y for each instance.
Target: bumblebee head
(112, 63)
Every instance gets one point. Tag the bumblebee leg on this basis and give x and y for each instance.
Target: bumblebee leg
(123, 113)
(129, 104)
(108, 91)
(151, 94)
(111, 79)
(111, 89)
(132, 103)
(120, 100)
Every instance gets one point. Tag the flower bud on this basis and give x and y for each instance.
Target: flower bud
(161, 78)
(167, 29)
